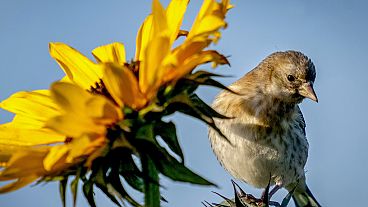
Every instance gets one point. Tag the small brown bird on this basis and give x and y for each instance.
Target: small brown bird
(266, 134)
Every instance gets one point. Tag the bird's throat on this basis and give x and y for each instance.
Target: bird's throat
(270, 110)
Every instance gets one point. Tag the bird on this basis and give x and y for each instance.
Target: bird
(265, 130)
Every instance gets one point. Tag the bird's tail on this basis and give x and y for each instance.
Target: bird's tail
(305, 199)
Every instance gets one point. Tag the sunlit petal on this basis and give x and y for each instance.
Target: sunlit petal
(114, 52)
(19, 183)
(159, 18)
(56, 153)
(102, 111)
(190, 63)
(36, 104)
(7, 150)
(24, 163)
(83, 146)
(144, 36)
(77, 67)
(123, 86)
(175, 13)
(74, 126)
(69, 97)
(209, 20)
(150, 73)
(14, 135)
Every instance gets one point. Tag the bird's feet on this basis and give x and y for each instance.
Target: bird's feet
(249, 199)
(243, 199)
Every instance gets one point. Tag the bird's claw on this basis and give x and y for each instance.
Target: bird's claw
(243, 199)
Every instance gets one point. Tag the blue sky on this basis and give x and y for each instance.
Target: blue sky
(333, 33)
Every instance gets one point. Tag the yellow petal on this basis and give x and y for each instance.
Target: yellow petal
(204, 29)
(188, 49)
(206, 8)
(154, 25)
(114, 52)
(74, 126)
(66, 79)
(150, 73)
(175, 13)
(24, 163)
(84, 146)
(77, 148)
(159, 18)
(190, 63)
(13, 135)
(77, 67)
(123, 86)
(102, 111)
(69, 97)
(7, 150)
(56, 153)
(81, 111)
(19, 183)
(210, 19)
(26, 122)
(209, 24)
(37, 105)
(73, 152)
(144, 36)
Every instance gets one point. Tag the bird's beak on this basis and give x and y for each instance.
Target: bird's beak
(307, 91)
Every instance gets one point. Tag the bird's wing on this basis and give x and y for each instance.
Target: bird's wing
(300, 120)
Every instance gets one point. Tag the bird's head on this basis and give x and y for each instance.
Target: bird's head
(291, 76)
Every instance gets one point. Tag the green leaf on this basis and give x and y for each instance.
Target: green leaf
(146, 132)
(114, 180)
(100, 182)
(74, 189)
(74, 186)
(167, 131)
(151, 187)
(204, 108)
(129, 171)
(211, 82)
(204, 74)
(185, 105)
(134, 181)
(173, 169)
(88, 192)
(204, 78)
(62, 189)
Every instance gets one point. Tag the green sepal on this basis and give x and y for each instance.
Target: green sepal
(114, 180)
(184, 104)
(173, 169)
(100, 182)
(62, 190)
(167, 131)
(129, 171)
(146, 132)
(204, 108)
(88, 192)
(74, 186)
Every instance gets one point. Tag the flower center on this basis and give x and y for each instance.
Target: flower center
(68, 140)
(134, 67)
(100, 89)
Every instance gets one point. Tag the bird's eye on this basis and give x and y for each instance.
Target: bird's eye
(291, 78)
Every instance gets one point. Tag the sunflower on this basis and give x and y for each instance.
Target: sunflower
(156, 62)
(83, 121)
(64, 125)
